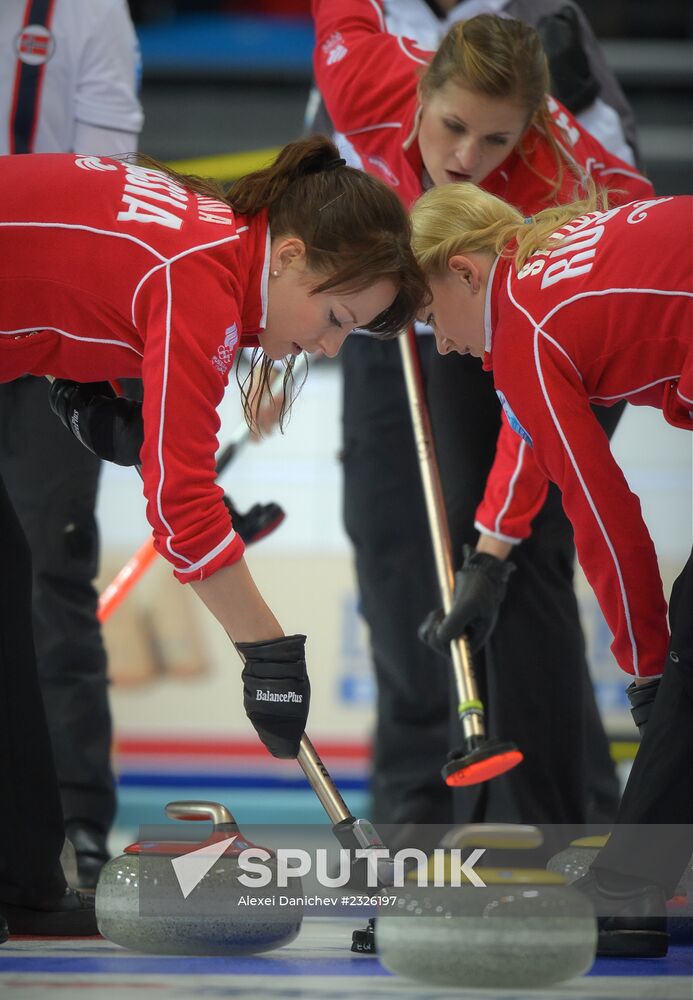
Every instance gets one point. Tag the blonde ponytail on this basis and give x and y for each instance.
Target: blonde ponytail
(462, 218)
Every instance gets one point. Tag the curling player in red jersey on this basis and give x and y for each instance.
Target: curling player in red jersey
(573, 306)
(477, 109)
(112, 270)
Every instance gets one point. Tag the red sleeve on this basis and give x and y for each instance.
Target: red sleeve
(366, 76)
(515, 490)
(186, 309)
(613, 544)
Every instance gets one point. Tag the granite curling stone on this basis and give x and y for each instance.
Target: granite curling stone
(523, 929)
(576, 860)
(147, 901)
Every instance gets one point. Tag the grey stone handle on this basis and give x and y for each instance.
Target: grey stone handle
(201, 810)
(500, 835)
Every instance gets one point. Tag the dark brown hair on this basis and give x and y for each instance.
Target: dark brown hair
(354, 228)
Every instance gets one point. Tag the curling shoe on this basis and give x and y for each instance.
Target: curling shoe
(73, 915)
(631, 920)
(92, 854)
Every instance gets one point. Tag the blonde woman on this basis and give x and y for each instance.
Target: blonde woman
(476, 110)
(574, 306)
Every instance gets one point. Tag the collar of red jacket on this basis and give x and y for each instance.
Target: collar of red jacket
(255, 256)
(410, 146)
(497, 275)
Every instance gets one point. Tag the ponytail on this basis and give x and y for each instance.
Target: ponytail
(462, 218)
(264, 188)
(536, 234)
(353, 226)
(354, 229)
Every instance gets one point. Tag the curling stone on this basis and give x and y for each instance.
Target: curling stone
(149, 901)
(524, 928)
(506, 935)
(576, 860)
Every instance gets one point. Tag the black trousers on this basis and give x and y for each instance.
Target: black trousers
(533, 672)
(53, 483)
(540, 696)
(385, 518)
(659, 789)
(31, 823)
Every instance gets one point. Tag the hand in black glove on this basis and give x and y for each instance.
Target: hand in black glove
(276, 691)
(108, 425)
(480, 587)
(642, 698)
(258, 522)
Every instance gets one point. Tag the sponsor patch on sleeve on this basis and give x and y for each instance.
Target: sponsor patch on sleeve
(223, 359)
(512, 419)
(334, 49)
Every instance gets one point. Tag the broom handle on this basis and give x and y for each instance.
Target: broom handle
(470, 707)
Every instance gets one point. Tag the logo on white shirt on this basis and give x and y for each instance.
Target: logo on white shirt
(34, 45)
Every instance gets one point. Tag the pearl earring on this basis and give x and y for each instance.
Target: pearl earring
(275, 274)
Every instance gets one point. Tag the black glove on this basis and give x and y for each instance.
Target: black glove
(479, 590)
(276, 691)
(258, 522)
(642, 698)
(108, 425)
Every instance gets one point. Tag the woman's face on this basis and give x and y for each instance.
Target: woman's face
(464, 136)
(456, 310)
(300, 321)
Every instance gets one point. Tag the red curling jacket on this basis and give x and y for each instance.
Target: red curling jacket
(368, 79)
(109, 270)
(597, 319)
